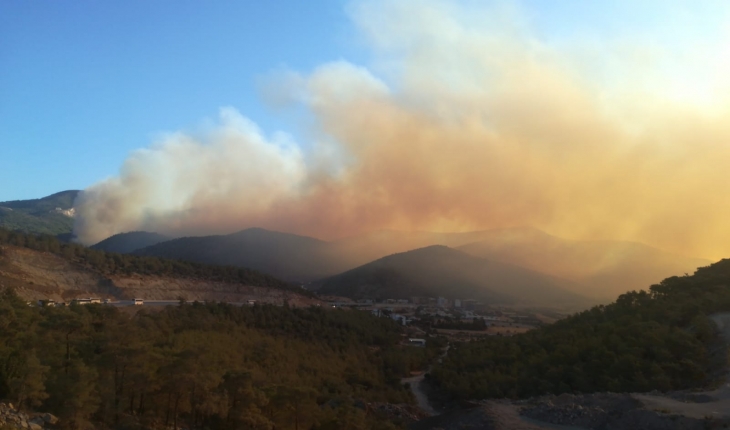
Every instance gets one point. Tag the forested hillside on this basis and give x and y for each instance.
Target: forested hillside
(112, 263)
(39, 215)
(202, 366)
(658, 339)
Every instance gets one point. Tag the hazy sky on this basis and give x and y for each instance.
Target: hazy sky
(586, 119)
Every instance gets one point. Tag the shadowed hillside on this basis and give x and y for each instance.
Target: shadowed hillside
(287, 256)
(125, 243)
(442, 271)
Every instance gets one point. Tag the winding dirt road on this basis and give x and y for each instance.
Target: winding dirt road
(416, 385)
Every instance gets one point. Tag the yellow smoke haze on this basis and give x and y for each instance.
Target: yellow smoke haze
(466, 120)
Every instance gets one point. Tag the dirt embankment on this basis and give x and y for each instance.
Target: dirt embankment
(38, 275)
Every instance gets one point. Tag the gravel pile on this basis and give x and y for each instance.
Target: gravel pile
(607, 411)
(398, 412)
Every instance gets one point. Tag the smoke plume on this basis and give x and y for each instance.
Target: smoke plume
(466, 119)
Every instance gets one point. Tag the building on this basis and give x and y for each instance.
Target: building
(442, 302)
(138, 302)
(457, 303)
(399, 318)
(417, 342)
(81, 301)
(469, 304)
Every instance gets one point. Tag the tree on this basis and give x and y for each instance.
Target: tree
(28, 387)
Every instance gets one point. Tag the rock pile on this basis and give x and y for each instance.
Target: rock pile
(397, 412)
(12, 418)
(605, 411)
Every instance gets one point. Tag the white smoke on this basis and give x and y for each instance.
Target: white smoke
(467, 119)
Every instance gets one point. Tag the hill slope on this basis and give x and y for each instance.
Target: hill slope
(126, 243)
(48, 215)
(286, 256)
(663, 339)
(605, 268)
(441, 271)
(42, 267)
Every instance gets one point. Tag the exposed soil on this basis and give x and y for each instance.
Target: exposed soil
(39, 275)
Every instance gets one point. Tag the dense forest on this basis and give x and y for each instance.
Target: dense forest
(203, 366)
(109, 263)
(658, 339)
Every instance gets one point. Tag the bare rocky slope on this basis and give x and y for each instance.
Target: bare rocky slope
(42, 275)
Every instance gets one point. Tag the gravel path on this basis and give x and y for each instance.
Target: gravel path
(416, 385)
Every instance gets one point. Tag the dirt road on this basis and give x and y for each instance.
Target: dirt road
(416, 385)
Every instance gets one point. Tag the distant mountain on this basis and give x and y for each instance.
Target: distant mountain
(49, 215)
(286, 256)
(599, 269)
(605, 268)
(370, 246)
(441, 271)
(126, 243)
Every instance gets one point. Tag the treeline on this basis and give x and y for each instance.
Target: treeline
(109, 263)
(661, 339)
(202, 366)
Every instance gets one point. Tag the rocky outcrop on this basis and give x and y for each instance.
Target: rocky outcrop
(397, 412)
(605, 411)
(14, 419)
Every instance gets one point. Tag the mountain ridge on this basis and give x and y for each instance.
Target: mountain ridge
(438, 270)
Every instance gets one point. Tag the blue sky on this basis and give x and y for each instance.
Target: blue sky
(83, 83)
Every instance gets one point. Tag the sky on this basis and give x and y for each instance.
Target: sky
(589, 120)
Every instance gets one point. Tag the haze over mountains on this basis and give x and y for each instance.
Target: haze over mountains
(441, 271)
(606, 268)
(598, 269)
